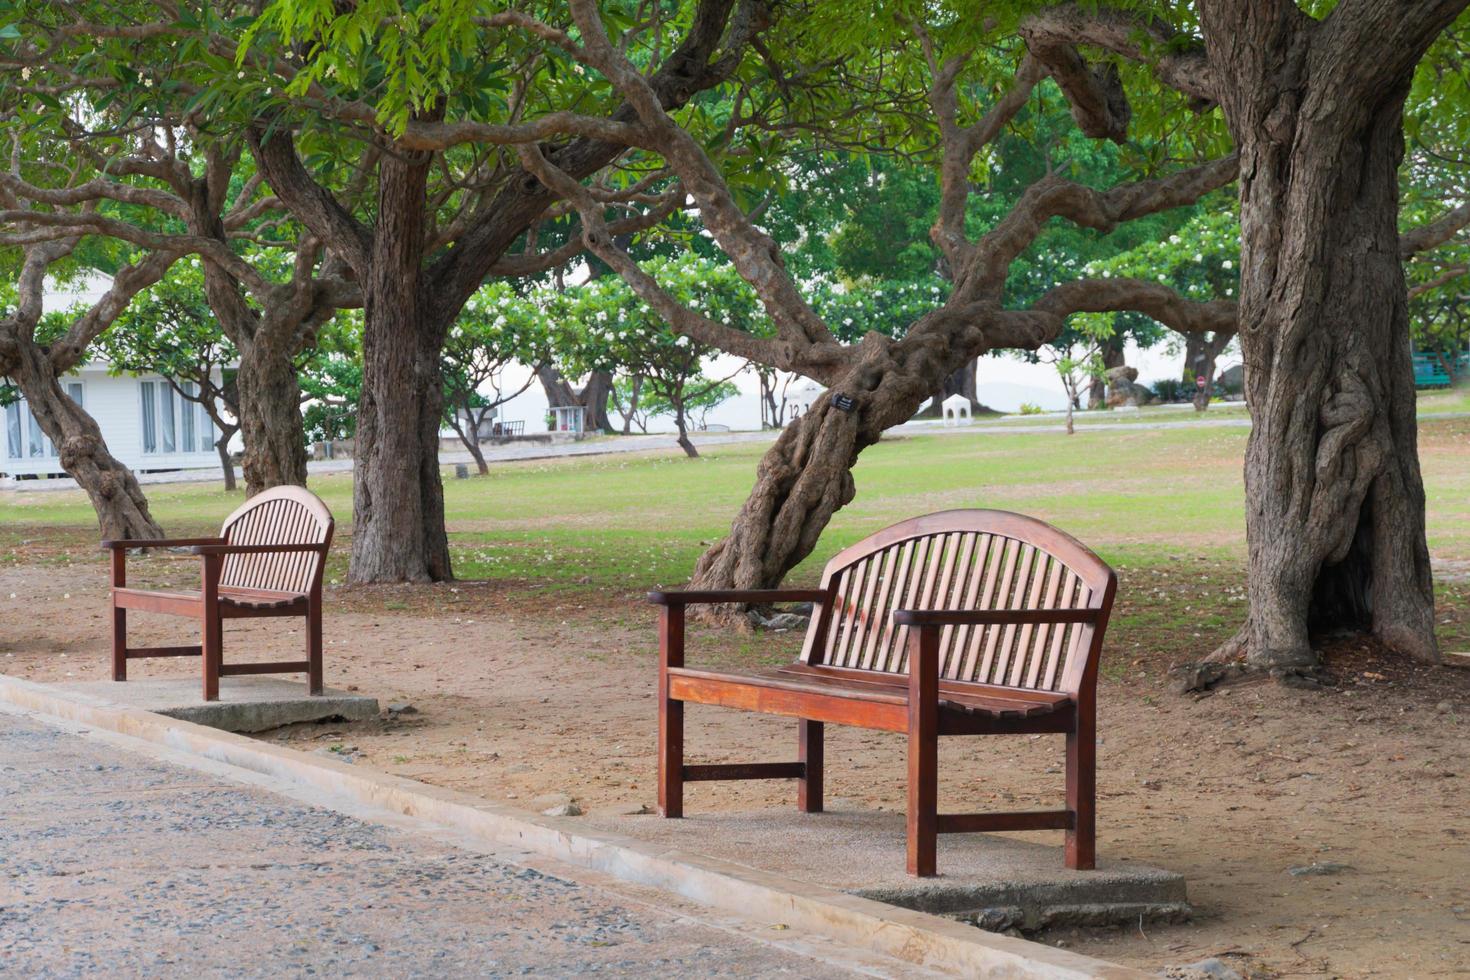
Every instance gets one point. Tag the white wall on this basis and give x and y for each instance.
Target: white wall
(116, 404)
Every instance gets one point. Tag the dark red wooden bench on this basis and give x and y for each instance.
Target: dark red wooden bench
(267, 561)
(966, 622)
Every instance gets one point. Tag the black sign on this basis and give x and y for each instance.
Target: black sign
(844, 402)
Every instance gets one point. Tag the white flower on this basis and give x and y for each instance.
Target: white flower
(25, 76)
(1228, 264)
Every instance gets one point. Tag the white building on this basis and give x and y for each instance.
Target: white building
(146, 424)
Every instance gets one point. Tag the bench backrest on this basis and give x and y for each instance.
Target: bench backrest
(965, 559)
(280, 515)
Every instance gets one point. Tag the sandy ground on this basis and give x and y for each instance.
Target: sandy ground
(520, 693)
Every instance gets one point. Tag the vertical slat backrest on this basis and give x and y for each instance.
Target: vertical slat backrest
(966, 559)
(281, 515)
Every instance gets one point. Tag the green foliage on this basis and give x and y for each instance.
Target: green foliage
(169, 330)
(496, 328)
(887, 306)
(331, 380)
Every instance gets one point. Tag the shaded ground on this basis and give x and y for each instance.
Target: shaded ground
(537, 683)
(119, 865)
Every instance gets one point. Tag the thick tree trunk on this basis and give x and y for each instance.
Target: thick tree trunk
(1335, 501)
(398, 497)
(594, 398)
(270, 418)
(122, 510)
(806, 475)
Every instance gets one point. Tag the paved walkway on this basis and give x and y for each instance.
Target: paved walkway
(119, 865)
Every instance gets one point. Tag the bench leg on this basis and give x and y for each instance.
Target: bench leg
(212, 649)
(119, 644)
(670, 757)
(314, 646)
(812, 755)
(1082, 793)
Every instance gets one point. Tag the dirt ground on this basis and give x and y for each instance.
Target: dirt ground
(520, 691)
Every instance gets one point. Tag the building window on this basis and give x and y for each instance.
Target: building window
(150, 417)
(187, 415)
(206, 431)
(166, 416)
(12, 431)
(40, 446)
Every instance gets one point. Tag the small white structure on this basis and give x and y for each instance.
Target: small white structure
(804, 397)
(568, 418)
(146, 424)
(955, 406)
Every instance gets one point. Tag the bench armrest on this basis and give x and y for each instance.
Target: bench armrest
(700, 597)
(992, 617)
(130, 543)
(255, 549)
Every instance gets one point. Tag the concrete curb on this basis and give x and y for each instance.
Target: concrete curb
(913, 937)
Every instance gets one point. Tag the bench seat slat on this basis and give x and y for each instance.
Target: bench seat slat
(891, 692)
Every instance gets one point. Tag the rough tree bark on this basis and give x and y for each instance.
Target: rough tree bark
(398, 496)
(271, 425)
(122, 510)
(1335, 512)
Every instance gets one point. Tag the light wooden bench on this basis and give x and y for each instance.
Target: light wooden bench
(267, 561)
(965, 622)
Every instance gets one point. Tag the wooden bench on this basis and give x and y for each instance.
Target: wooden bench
(966, 622)
(267, 561)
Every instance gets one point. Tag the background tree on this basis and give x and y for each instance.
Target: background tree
(331, 381)
(496, 329)
(603, 326)
(168, 329)
(36, 353)
(1199, 261)
(806, 475)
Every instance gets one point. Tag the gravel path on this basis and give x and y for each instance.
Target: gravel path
(119, 865)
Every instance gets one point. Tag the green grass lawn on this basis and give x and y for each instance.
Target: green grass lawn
(1139, 497)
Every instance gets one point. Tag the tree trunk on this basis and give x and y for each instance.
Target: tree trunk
(1112, 357)
(1335, 501)
(1205, 370)
(681, 422)
(471, 442)
(122, 510)
(398, 497)
(226, 465)
(594, 397)
(961, 382)
(806, 475)
(270, 418)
